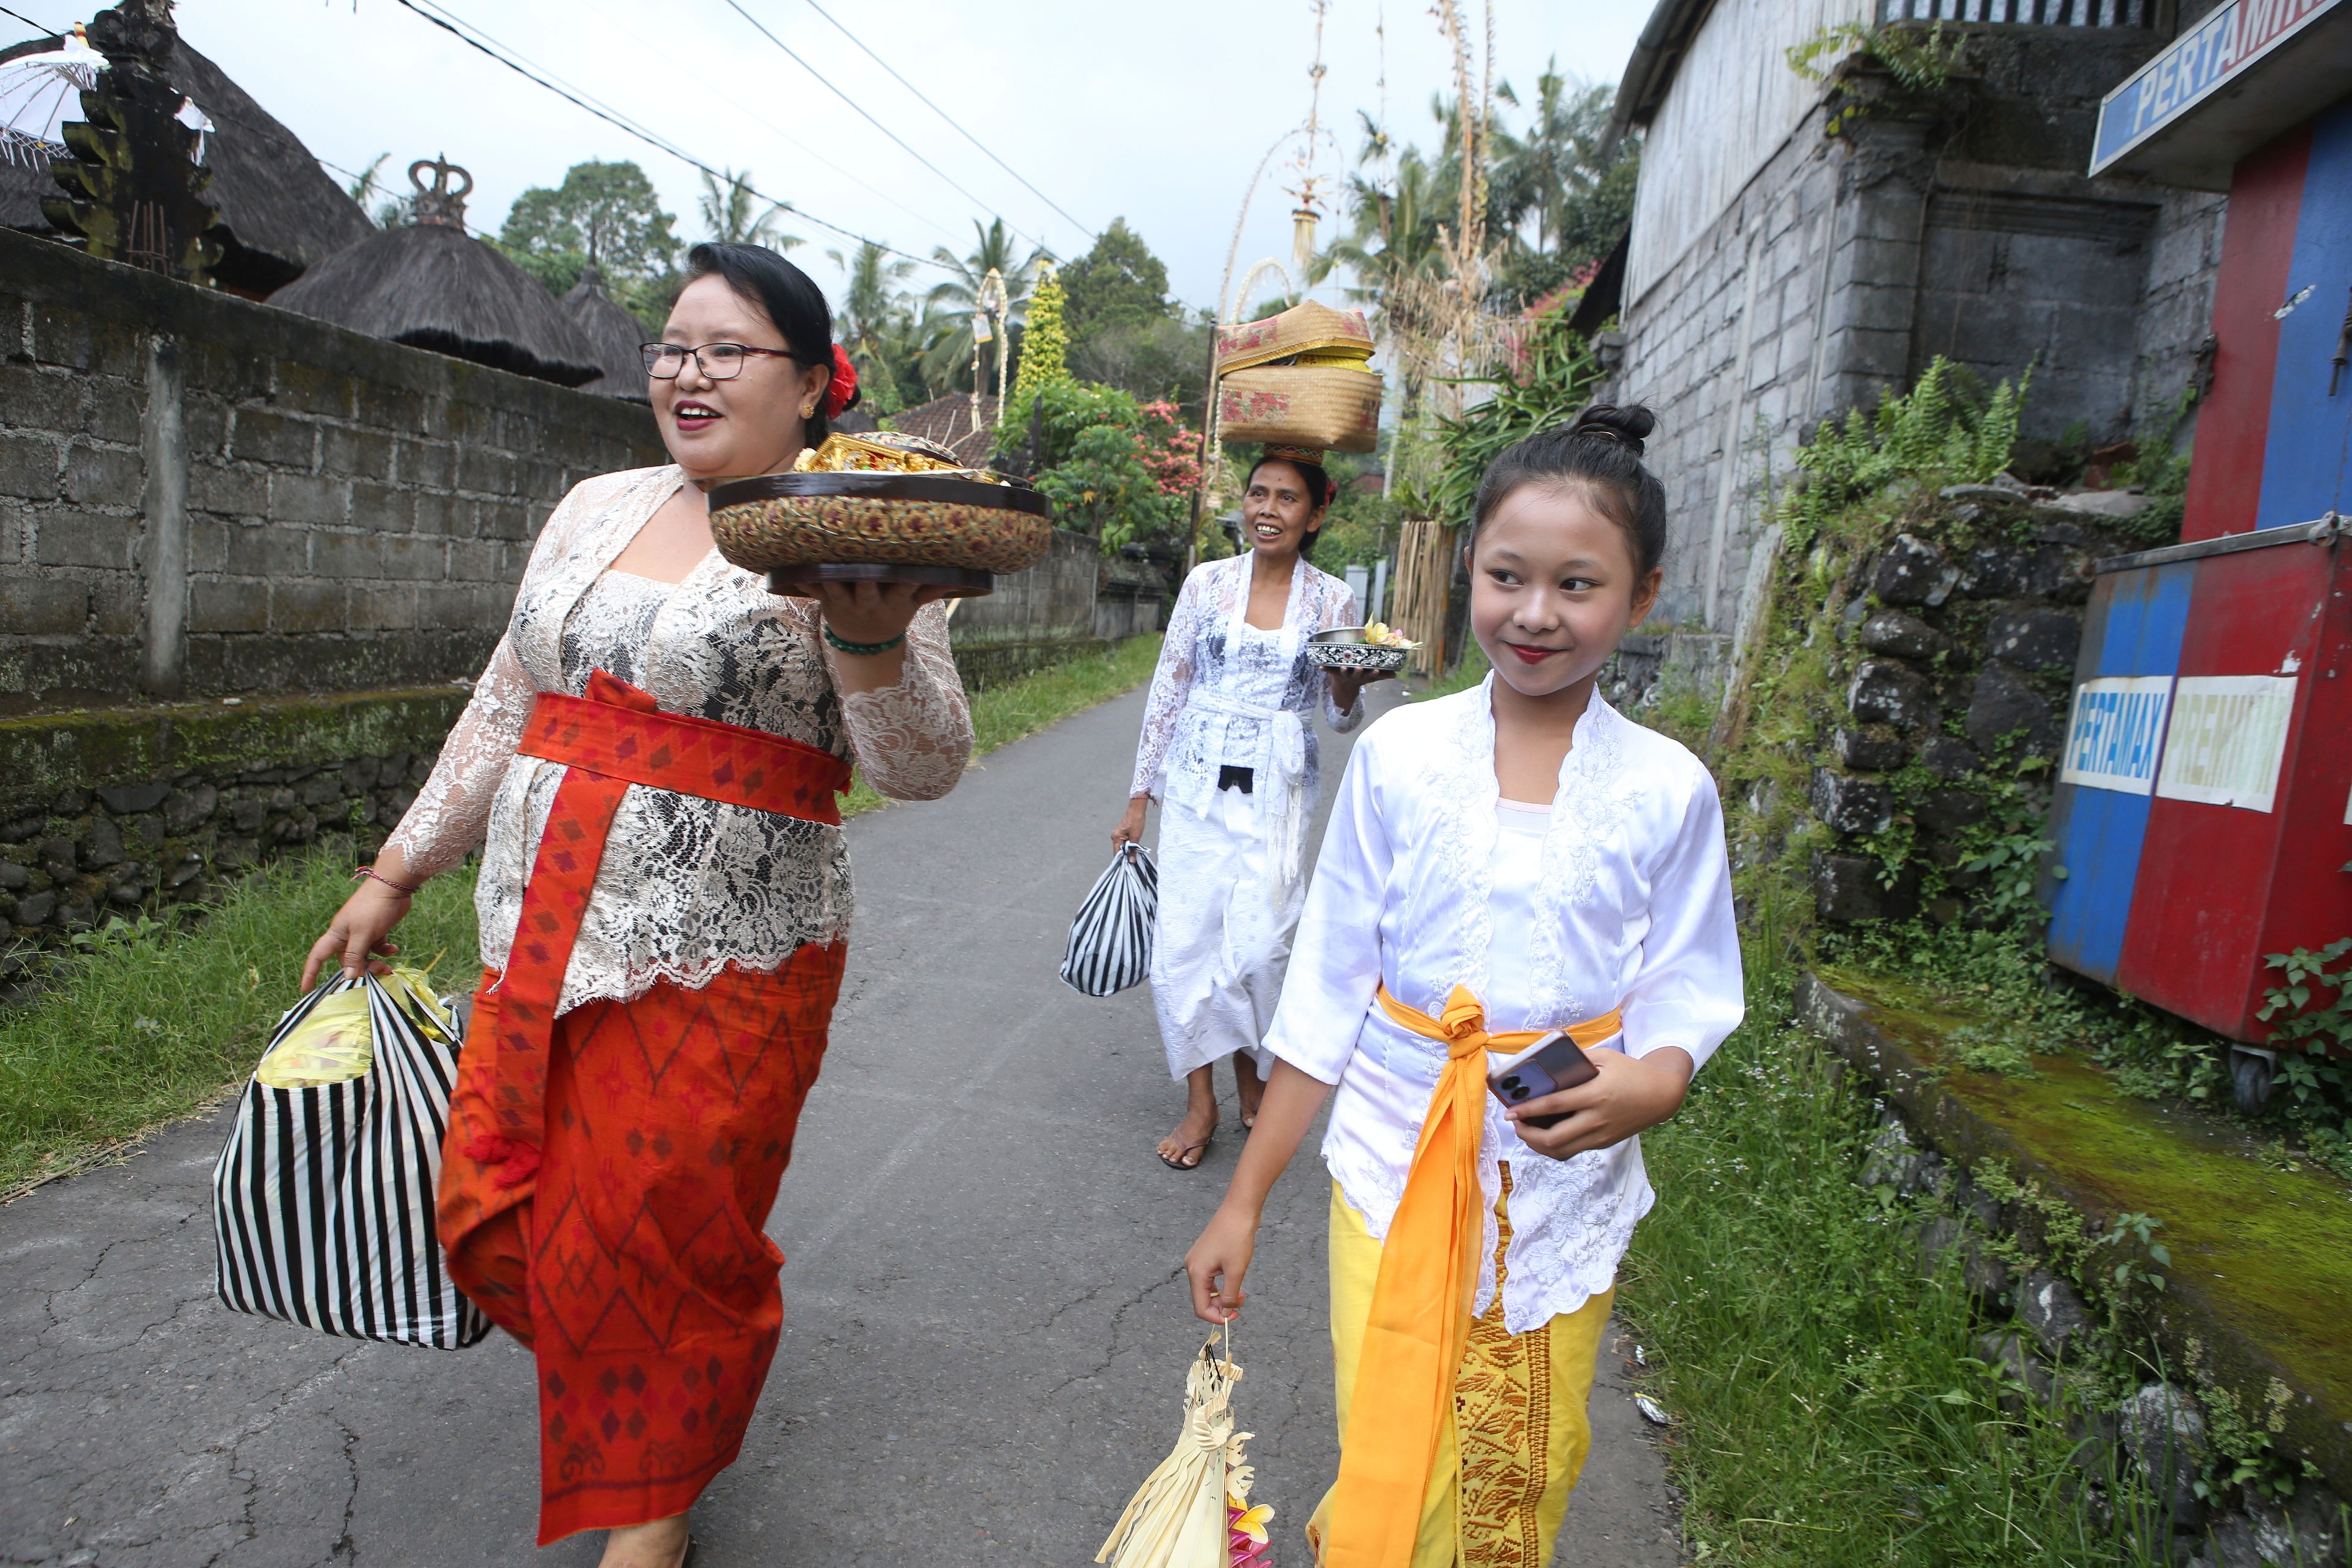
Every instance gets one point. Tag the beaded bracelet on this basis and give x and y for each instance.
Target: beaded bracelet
(368, 873)
(864, 650)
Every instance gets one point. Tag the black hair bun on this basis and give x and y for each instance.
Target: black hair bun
(1626, 427)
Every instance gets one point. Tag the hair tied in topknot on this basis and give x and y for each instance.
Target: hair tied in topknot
(1626, 427)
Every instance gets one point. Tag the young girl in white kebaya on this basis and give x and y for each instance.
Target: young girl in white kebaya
(1513, 858)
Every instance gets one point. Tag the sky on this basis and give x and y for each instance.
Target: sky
(1157, 113)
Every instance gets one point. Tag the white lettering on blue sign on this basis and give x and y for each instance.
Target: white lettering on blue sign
(2115, 733)
(2221, 44)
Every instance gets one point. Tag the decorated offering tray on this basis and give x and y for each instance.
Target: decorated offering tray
(1374, 648)
(880, 509)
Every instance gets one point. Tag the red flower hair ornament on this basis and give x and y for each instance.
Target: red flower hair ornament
(841, 392)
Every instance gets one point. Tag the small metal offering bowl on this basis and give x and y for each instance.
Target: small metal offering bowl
(940, 529)
(1371, 658)
(1337, 634)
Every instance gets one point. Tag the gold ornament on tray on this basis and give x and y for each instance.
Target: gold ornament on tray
(881, 506)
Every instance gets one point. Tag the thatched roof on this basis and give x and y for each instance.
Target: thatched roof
(948, 421)
(615, 335)
(432, 285)
(282, 211)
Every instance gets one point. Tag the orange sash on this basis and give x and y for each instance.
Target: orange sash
(1419, 1319)
(609, 740)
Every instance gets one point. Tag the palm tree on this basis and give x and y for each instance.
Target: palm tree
(947, 360)
(876, 322)
(1554, 164)
(730, 212)
(374, 195)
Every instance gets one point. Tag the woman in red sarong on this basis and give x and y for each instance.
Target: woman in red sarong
(648, 766)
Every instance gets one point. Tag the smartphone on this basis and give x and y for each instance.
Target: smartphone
(1552, 1064)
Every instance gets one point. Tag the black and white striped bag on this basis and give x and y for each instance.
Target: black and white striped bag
(1110, 941)
(322, 1201)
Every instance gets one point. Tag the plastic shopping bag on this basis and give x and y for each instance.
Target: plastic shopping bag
(1110, 941)
(322, 1200)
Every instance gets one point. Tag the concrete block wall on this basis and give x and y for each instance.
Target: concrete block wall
(203, 496)
(1727, 349)
(2176, 309)
(1845, 266)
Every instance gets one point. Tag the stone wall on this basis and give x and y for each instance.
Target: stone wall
(129, 810)
(1957, 648)
(1960, 226)
(204, 496)
(1042, 615)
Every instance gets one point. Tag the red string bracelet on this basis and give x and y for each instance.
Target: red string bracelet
(367, 872)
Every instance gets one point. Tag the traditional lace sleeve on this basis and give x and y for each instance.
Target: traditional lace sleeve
(451, 813)
(1338, 609)
(913, 739)
(1172, 682)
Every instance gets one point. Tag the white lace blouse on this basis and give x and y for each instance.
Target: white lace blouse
(687, 886)
(1185, 743)
(1631, 907)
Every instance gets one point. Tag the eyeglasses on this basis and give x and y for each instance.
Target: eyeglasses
(718, 362)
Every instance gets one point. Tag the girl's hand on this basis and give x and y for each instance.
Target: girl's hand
(872, 611)
(1130, 825)
(356, 934)
(1631, 1093)
(1217, 1262)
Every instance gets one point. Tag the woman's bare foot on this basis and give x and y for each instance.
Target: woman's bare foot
(1251, 1087)
(1184, 1149)
(661, 1544)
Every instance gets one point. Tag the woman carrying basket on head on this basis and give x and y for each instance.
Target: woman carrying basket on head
(1229, 748)
(649, 765)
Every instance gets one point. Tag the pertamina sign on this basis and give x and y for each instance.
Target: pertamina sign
(2197, 63)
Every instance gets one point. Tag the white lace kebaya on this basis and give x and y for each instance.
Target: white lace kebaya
(1233, 864)
(687, 886)
(1631, 907)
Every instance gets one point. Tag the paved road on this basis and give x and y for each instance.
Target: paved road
(985, 1323)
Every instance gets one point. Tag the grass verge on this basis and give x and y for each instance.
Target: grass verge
(148, 1022)
(1830, 1407)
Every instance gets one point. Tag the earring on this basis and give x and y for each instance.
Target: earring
(808, 408)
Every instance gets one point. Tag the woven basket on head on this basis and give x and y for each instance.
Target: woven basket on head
(1307, 328)
(1336, 407)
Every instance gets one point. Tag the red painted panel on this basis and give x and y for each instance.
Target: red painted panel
(2225, 483)
(2311, 897)
(2207, 873)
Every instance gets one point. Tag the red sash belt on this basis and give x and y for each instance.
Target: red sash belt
(609, 740)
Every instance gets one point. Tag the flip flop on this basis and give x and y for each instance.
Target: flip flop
(1199, 1152)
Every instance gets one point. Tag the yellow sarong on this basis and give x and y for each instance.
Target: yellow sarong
(1508, 1460)
(1415, 1328)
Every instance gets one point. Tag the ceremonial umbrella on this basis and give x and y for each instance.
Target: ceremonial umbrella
(1194, 1511)
(39, 93)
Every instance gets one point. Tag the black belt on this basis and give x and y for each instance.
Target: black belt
(1231, 777)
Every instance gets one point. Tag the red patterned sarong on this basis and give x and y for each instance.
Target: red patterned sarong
(608, 1173)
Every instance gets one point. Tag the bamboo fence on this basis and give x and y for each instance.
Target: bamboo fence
(1424, 580)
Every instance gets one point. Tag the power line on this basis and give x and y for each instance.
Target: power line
(787, 137)
(736, 5)
(52, 31)
(614, 117)
(943, 115)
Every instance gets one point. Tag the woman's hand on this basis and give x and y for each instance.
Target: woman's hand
(1631, 1093)
(356, 935)
(1130, 825)
(1347, 685)
(1217, 1262)
(872, 611)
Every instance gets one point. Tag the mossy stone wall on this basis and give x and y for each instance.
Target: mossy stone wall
(137, 811)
